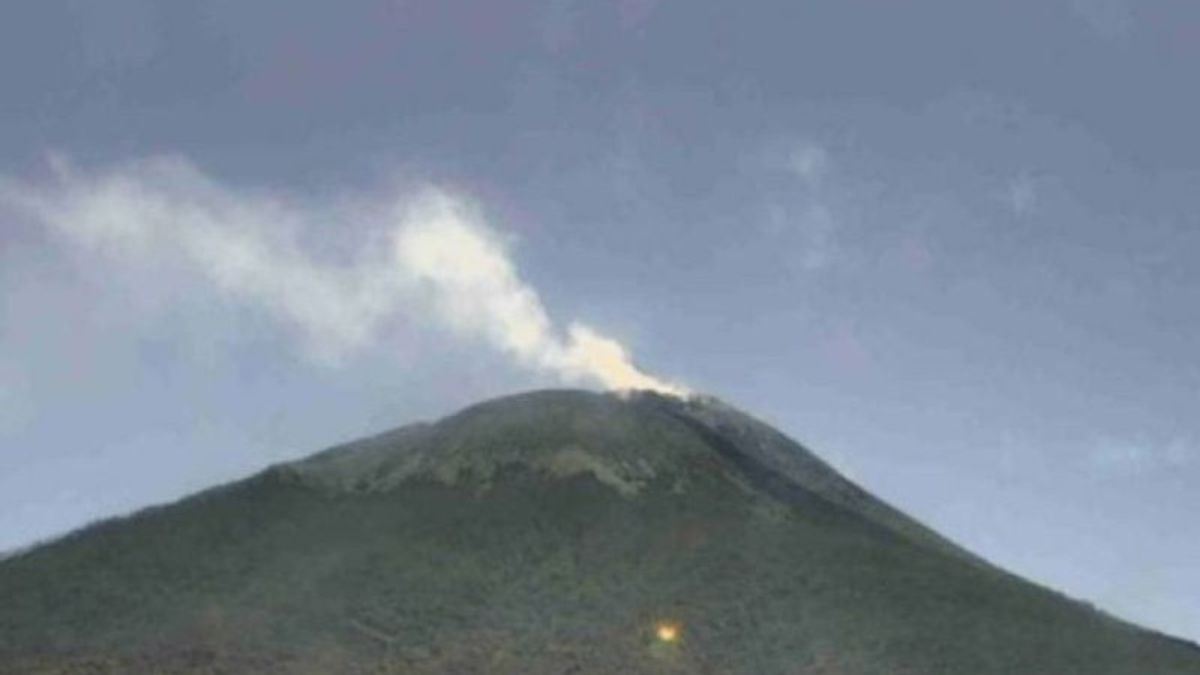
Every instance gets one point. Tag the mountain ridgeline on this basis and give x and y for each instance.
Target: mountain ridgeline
(548, 532)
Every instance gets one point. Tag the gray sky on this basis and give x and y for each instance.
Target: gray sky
(949, 245)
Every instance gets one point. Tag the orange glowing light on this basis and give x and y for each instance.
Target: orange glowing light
(667, 632)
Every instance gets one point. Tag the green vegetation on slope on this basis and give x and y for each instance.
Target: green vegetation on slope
(467, 547)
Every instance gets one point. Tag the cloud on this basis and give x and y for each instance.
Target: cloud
(800, 207)
(1109, 19)
(1179, 453)
(1124, 457)
(1022, 195)
(808, 162)
(428, 255)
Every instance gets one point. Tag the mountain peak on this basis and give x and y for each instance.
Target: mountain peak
(562, 432)
(624, 440)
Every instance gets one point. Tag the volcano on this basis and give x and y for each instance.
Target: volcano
(548, 532)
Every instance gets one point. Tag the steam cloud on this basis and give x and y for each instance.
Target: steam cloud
(430, 253)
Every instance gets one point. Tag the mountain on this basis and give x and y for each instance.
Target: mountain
(548, 532)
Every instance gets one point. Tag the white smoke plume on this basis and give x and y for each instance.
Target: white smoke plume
(429, 253)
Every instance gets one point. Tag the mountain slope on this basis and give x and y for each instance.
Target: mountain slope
(547, 532)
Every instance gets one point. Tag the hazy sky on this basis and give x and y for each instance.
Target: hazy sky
(952, 246)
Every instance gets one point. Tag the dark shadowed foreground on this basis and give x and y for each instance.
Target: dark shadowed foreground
(552, 532)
